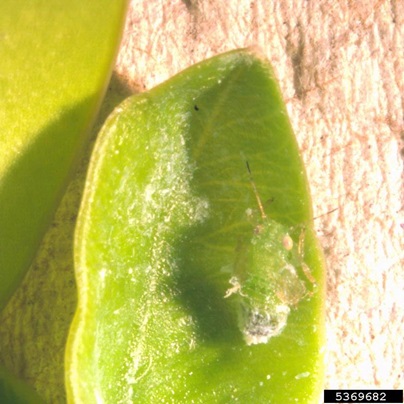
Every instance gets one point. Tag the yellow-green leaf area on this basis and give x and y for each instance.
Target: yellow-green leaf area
(200, 278)
(55, 61)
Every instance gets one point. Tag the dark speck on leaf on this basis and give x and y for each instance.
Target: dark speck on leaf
(196, 108)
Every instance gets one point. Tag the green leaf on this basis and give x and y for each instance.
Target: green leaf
(14, 391)
(199, 275)
(56, 59)
(39, 314)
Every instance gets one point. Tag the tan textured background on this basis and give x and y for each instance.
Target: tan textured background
(341, 68)
(340, 65)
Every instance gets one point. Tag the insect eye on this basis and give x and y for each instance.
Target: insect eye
(287, 242)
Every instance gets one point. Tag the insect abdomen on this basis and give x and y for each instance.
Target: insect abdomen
(267, 284)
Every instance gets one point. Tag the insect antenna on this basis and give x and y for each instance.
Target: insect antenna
(260, 205)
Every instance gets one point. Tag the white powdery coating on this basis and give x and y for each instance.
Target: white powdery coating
(261, 327)
(156, 212)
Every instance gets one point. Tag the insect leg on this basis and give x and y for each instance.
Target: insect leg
(300, 251)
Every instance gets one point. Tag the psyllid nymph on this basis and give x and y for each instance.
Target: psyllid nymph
(265, 277)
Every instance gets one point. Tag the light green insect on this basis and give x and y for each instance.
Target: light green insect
(265, 278)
